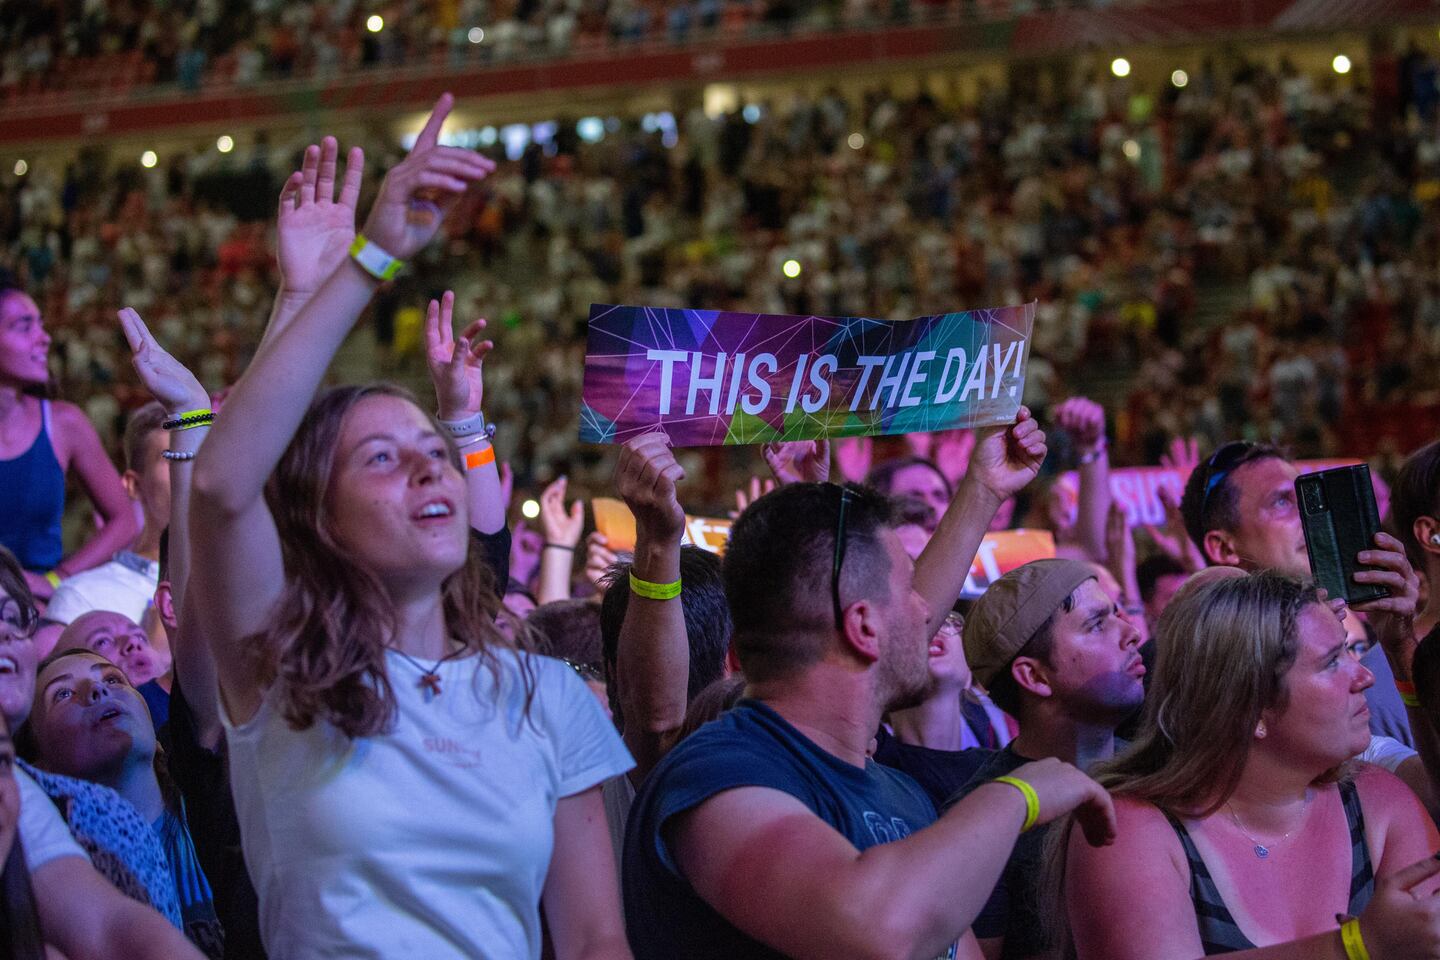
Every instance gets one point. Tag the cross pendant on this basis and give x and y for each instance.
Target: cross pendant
(430, 683)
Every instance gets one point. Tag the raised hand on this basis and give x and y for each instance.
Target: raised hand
(420, 190)
(951, 452)
(1006, 458)
(1084, 420)
(854, 456)
(802, 461)
(1184, 455)
(747, 495)
(314, 231)
(168, 380)
(645, 478)
(456, 366)
(1173, 539)
(560, 526)
(599, 558)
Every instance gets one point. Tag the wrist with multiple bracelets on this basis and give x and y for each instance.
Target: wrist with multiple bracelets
(472, 432)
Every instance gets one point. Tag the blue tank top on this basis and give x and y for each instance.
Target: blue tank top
(32, 501)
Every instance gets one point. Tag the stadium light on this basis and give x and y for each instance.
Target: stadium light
(791, 268)
(856, 141)
(21, 168)
(1341, 63)
(225, 144)
(1131, 149)
(1180, 78)
(531, 509)
(148, 159)
(476, 35)
(1120, 67)
(375, 23)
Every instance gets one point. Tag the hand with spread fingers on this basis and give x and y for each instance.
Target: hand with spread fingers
(314, 230)
(562, 527)
(456, 363)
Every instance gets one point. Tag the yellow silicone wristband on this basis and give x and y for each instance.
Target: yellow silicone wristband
(654, 591)
(1032, 799)
(1354, 943)
(53, 579)
(1409, 699)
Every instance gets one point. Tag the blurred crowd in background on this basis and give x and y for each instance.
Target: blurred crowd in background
(1248, 254)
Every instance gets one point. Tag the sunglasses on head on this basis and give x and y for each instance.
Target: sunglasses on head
(840, 541)
(1219, 466)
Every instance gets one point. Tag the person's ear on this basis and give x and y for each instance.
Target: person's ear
(131, 481)
(732, 663)
(1427, 534)
(1219, 549)
(1032, 676)
(860, 630)
(165, 604)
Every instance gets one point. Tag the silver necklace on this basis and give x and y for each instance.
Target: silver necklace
(1262, 852)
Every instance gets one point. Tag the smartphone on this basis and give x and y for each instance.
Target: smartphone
(1337, 508)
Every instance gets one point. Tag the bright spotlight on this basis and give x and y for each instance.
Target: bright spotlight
(21, 168)
(531, 509)
(1132, 150)
(476, 35)
(148, 159)
(375, 23)
(225, 144)
(1120, 67)
(856, 141)
(791, 268)
(1341, 63)
(1180, 78)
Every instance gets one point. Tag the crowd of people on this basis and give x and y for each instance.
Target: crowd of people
(1115, 206)
(305, 693)
(205, 44)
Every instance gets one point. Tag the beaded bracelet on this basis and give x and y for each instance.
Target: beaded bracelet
(189, 420)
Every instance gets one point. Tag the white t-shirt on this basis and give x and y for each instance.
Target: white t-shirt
(1386, 752)
(42, 832)
(110, 586)
(430, 841)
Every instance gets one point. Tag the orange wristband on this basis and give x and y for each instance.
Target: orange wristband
(1407, 693)
(479, 458)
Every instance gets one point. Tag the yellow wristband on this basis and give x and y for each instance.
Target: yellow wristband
(654, 591)
(1354, 943)
(1032, 799)
(53, 579)
(373, 260)
(1409, 699)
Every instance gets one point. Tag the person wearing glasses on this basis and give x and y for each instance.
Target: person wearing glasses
(1240, 511)
(770, 832)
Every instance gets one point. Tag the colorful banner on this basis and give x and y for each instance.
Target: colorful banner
(1136, 489)
(710, 378)
(999, 552)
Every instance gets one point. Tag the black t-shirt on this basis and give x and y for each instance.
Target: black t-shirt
(750, 746)
(203, 777)
(1013, 910)
(940, 773)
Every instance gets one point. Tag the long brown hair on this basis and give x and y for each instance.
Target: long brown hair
(1224, 648)
(325, 646)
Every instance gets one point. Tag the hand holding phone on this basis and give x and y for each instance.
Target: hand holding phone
(1340, 518)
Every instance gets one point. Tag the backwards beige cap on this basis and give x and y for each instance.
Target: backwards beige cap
(1010, 611)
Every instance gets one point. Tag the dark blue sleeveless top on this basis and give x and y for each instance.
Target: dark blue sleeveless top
(1219, 933)
(32, 501)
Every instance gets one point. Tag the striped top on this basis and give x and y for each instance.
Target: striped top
(1219, 933)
